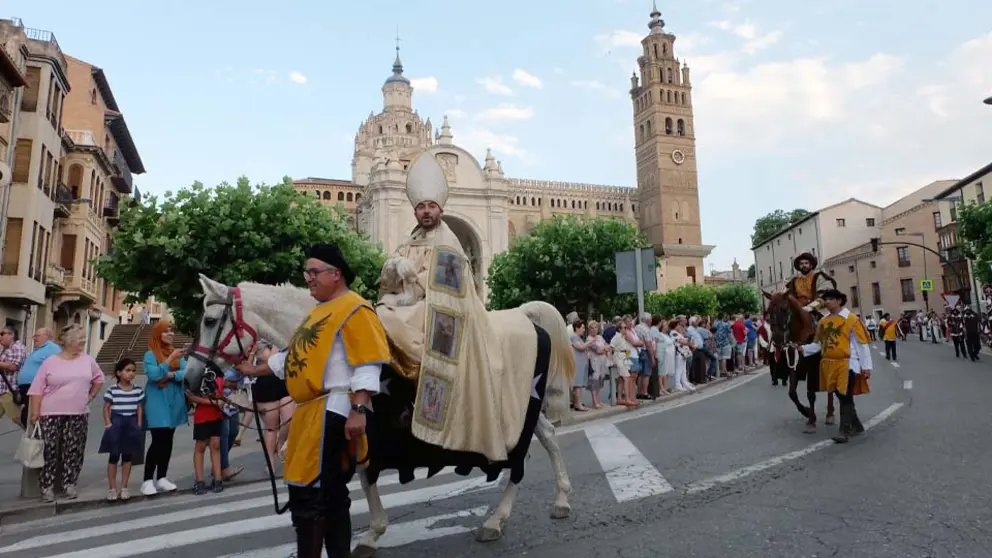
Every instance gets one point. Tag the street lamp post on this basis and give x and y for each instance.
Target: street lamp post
(923, 241)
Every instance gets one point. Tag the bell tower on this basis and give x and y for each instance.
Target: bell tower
(665, 149)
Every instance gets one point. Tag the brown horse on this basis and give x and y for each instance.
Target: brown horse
(792, 326)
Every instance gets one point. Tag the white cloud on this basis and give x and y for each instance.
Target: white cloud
(588, 84)
(495, 85)
(506, 111)
(754, 39)
(527, 79)
(455, 113)
(424, 84)
(298, 78)
(477, 140)
(619, 38)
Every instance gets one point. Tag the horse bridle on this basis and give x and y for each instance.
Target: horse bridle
(233, 313)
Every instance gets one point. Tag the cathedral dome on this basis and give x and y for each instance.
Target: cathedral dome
(397, 76)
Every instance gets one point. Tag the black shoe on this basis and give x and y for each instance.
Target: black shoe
(199, 488)
(217, 487)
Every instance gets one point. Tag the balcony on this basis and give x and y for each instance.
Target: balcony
(55, 278)
(82, 287)
(49, 46)
(63, 200)
(122, 178)
(112, 211)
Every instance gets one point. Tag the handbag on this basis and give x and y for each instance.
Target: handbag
(31, 451)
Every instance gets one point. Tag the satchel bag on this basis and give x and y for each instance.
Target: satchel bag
(31, 451)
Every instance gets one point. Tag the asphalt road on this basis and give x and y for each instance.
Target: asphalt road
(739, 479)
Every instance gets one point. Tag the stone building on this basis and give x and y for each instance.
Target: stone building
(960, 274)
(73, 161)
(889, 280)
(486, 208)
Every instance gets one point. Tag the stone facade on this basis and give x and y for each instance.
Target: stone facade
(487, 209)
(72, 163)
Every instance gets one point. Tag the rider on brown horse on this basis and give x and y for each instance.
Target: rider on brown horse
(809, 284)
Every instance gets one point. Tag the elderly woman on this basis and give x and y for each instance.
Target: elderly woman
(60, 396)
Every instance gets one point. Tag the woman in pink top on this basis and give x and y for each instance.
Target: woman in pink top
(60, 396)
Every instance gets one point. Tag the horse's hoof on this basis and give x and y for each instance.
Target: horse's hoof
(829, 420)
(488, 534)
(560, 512)
(363, 551)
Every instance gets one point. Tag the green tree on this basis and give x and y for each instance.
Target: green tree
(767, 226)
(686, 300)
(568, 262)
(230, 233)
(975, 229)
(737, 298)
(750, 271)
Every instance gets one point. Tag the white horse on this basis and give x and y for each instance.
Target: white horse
(274, 313)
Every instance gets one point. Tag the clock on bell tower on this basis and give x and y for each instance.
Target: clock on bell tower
(665, 148)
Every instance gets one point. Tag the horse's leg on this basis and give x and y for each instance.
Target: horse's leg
(811, 419)
(546, 435)
(492, 529)
(369, 541)
(830, 409)
(794, 394)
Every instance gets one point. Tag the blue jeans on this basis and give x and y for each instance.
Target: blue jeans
(228, 433)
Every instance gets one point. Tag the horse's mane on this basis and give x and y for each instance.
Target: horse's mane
(801, 327)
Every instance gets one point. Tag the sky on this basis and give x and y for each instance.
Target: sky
(797, 104)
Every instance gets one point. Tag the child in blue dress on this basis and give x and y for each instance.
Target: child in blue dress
(122, 416)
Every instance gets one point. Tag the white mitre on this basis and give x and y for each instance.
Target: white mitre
(425, 181)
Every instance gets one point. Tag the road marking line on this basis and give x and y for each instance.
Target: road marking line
(630, 474)
(907, 384)
(178, 539)
(896, 365)
(881, 353)
(874, 346)
(664, 406)
(398, 534)
(704, 485)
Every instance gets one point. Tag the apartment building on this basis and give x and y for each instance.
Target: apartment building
(13, 68)
(824, 233)
(959, 271)
(890, 280)
(72, 169)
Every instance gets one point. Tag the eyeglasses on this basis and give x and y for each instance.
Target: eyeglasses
(312, 273)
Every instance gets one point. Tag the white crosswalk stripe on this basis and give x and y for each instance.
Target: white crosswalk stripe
(630, 474)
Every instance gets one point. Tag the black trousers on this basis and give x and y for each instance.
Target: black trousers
(849, 421)
(890, 350)
(322, 514)
(974, 344)
(159, 453)
(22, 389)
(959, 350)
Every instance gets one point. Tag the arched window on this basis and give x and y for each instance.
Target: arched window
(358, 197)
(380, 128)
(683, 98)
(318, 194)
(597, 206)
(532, 202)
(681, 127)
(350, 197)
(668, 126)
(340, 196)
(669, 75)
(409, 128)
(76, 179)
(649, 127)
(518, 200)
(327, 195)
(680, 240)
(656, 51)
(664, 49)
(669, 96)
(641, 128)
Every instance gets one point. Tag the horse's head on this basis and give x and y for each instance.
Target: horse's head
(786, 318)
(224, 337)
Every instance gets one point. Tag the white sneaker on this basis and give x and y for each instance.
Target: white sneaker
(111, 495)
(148, 488)
(125, 495)
(165, 485)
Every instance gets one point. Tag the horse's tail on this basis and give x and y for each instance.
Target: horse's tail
(561, 368)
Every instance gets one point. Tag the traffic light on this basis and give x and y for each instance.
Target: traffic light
(874, 244)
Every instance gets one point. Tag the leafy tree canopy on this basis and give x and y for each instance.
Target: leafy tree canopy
(767, 226)
(737, 298)
(231, 233)
(567, 262)
(686, 300)
(975, 229)
(750, 271)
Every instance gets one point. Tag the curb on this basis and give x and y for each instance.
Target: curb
(30, 510)
(579, 418)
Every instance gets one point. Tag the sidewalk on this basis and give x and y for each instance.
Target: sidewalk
(93, 479)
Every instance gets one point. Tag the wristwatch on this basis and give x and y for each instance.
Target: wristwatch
(360, 409)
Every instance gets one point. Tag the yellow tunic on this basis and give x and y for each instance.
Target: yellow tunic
(365, 343)
(834, 336)
(805, 288)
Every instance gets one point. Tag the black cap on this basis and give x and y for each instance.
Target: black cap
(331, 255)
(834, 294)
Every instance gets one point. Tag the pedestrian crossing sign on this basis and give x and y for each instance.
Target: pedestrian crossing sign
(926, 284)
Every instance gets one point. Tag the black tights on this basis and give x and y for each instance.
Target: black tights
(159, 453)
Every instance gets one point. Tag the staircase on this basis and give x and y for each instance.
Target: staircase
(115, 346)
(131, 341)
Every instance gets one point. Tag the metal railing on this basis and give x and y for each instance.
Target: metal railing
(48, 37)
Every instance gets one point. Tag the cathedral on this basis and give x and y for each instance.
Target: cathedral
(486, 209)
